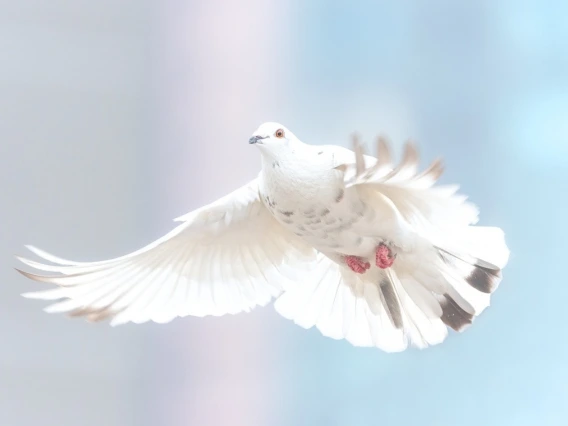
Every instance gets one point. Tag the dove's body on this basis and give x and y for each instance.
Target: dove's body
(305, 231)
(312, 203)
(306, 194)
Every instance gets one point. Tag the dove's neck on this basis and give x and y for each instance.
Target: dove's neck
(287, 159)
(293, 176)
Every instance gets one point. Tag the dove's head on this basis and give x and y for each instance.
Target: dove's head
(274, 140)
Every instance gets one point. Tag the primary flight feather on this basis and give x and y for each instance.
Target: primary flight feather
(360, 248)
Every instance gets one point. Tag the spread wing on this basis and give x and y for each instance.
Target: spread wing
(436, 212)
(224, 258)
(428, 208)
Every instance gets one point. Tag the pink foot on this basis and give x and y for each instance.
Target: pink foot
(357, 264)
(384, 257)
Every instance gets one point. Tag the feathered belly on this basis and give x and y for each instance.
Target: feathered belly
(341, 224)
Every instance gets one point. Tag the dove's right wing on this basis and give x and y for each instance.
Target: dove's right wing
(433, 210)
(224, 258)
(444, 283)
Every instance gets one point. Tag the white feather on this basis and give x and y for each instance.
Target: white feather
(223, 258)
(286, 234)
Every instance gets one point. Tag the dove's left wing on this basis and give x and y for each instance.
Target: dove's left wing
(224, 258)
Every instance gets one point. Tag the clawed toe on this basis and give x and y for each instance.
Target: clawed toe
(356, 264)
(384, 257)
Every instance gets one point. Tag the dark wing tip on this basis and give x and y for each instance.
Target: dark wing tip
(453, 315)
(484, 279)
(391, 303)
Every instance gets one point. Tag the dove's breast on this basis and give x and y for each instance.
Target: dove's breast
(315, 206)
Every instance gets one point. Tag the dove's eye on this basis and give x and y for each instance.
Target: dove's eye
(279, 133)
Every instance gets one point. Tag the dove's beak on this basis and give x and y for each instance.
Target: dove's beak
(256, 139)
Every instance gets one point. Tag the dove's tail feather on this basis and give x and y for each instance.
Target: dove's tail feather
(412, 303)
(472, 266)
(484, 243)
(332, 305)
(373, 309)
(467, 270)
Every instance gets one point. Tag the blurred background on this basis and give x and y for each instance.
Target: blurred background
(118, 115)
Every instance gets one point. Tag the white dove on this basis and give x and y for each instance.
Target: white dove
(365, 252)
